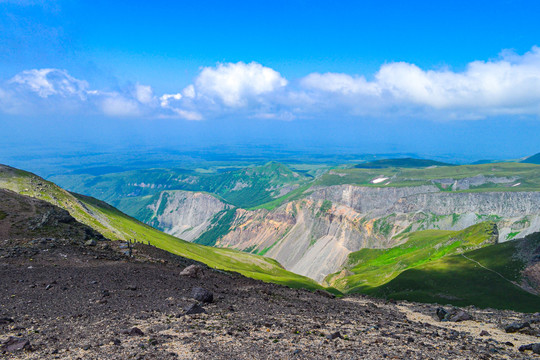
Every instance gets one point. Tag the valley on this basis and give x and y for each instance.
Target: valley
(313, 221)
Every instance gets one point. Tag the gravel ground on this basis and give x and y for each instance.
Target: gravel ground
(71, 301)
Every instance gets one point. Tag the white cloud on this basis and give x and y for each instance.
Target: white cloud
(509, 84)
(189, 91)
(48, 82)
(166, 98)
(236, 83)
(117, 105)
(339, 83)
(187, 115)
(144, 94)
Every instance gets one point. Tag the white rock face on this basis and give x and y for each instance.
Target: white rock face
(185, 214)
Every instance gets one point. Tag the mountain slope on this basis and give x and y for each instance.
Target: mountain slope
(370, 268)
(459, 267)
(535, 159)
(495, 276)
(247, 187)
(116, 225)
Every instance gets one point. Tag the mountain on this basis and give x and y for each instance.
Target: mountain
(401, 163)
(314, 229)
(535, 159)
(313, 233)
(245, 187)
(115, 225)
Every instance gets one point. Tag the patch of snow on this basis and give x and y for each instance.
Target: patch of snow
(379, 180)
(516, 184)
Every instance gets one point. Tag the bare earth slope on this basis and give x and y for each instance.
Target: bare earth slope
(62, 298)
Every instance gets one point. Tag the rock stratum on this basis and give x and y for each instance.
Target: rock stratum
(314, 235)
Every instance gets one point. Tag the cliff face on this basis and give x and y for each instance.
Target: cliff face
(184, 214)
(313, 236)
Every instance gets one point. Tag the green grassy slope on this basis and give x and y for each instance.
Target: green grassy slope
(401, 163)
(118, 226)
(486, 277)
(528, 175)
(374, 267)
(458, 267)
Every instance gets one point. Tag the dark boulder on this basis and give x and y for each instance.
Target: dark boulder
(453, 315)
(135, 331)
(334, 336)
(194, 309)
(460, 315)
(535, 348)
(515, 327)
(13, 344)
(6, 320)
(441, 313)
(202, 295)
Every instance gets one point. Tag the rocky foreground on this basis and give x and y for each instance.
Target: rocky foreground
(90, 300)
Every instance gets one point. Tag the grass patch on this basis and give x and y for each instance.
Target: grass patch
(512, 235)
(220, 225)
(375, 267)
(461, 282)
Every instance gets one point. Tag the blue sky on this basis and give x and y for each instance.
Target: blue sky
(432, 77)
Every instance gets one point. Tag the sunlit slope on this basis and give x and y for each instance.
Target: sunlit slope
(458, 267)
(488, 277)
(118, 226)
(496, 177)
(369, 268)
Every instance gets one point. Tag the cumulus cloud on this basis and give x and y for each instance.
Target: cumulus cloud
(48, 82)
(509, 84)
(235, 84)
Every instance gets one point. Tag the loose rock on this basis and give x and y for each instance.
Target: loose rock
(6, 320)
(194, 271)
(514, 327)
(134, 331)
(453, 315)
(194, 309)
(16, 344)
(335, 335)
(202, 295)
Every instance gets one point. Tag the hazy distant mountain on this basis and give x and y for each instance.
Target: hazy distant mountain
(535, 159)
(403, 163)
